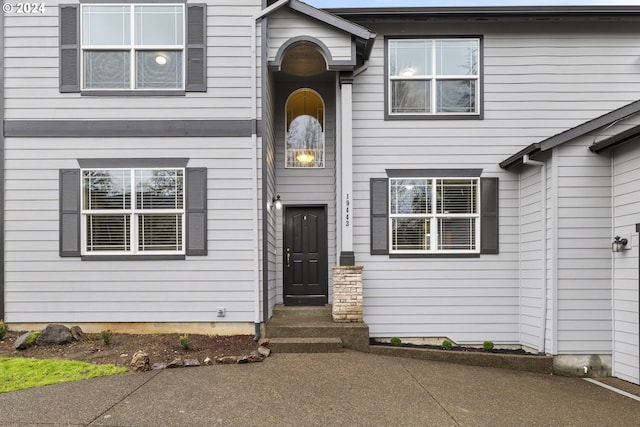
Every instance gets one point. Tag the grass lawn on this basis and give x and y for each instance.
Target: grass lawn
(17, 373)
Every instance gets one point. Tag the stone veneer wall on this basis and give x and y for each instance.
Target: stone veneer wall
(347, 293)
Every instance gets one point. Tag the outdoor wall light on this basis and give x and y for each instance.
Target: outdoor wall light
(618, 244)
(276, 202)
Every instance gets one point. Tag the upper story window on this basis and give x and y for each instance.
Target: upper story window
(305, 130)
(133, 211)
(133, 46)
(433, 77)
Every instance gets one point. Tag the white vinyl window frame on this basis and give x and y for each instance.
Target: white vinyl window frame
(133, 48)
(433, 219)
(133, 213)
(433, 78)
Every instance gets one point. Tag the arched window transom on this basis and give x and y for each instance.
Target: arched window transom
(305, 130)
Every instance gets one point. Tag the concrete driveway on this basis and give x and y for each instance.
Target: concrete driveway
(344, 389)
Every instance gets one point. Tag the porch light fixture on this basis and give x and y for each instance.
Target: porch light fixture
(276, 202)
(305, 157)
(618, 244)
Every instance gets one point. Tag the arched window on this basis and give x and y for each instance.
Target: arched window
(305, 130)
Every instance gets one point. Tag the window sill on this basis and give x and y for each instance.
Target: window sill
(461, 255)
(391, 117)
(123, 93)
(132, 257)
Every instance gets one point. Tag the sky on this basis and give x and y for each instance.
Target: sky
(421, 3)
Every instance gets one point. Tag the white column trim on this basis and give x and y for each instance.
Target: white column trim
(346, 166)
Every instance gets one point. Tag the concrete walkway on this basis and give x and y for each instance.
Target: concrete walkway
(344, 389)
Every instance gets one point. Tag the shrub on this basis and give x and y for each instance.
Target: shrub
(3, 329)
(487, 345)
(106, 336)
(32, 338)
(395, 341)
(447, 345)
(184, 341)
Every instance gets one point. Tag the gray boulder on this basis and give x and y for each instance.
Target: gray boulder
(55, 334)
(77, 334)
(23, 341)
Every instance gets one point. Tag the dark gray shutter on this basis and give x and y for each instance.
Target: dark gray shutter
(69, 48)
(379, 216)
(69, 212)
(196, 48)
(196, 211)
(489, 235)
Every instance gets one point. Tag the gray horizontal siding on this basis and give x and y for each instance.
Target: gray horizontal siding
(583, 264)
(42, 287)
(540, 79)
(31, 72)
(626, 297)
(531, 253)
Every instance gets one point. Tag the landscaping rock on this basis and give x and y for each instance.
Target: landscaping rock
(175, 363)
(264, 342)
(207, 361)
(255, 357)
(264, 351)
(191, 362)
(55, 335)
(158, 366)
(140, 362)
(227, 360)
(77, 333)
(22, 342)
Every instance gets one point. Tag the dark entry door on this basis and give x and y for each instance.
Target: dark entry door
(305, 255)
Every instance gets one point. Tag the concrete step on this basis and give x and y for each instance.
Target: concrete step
(279, 328)
(353, 335)
(305, 345)
(290, 312)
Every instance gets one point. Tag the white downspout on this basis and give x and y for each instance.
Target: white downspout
(254, 155)
(543, 225)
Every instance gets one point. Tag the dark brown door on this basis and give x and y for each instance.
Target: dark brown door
(305, 255)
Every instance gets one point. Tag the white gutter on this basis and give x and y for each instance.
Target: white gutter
(543, 229)
(254, 153)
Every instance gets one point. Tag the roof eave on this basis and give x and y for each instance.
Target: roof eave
(516, 159)
(630, 135)
(323, 15)
(486, 11)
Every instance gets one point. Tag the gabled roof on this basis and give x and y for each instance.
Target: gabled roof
(364, 37)
(330, 19)
(575, 132)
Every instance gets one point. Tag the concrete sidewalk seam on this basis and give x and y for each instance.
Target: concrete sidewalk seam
(430, 395)
(102, 414)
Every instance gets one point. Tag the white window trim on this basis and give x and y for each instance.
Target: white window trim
(433, 79)
(133, 213)
(433, 216)
(286, 132)
(133, 48)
